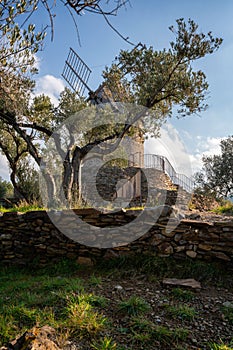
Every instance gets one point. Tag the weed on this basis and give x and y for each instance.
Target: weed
(152, 265)
(181, 294)
(93, 300)
(180, 334)
(142, 329)
(23, 316)
(166, 335)
(104, 344)
(23, 207)
(141, 324)
(95, 280)
(226, 208)
(134, 306)
(64, 267)
(7, 328)
(214, 346)
(228, 314)
(141, 337)
(181, 311)
(82, 319)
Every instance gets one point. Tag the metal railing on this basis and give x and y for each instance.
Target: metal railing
(162, 163)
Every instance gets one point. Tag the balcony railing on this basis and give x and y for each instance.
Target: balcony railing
(162, 163)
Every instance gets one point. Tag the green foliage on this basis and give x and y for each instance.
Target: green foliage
(152, 265)
(82, 319)
(28, 181)
(95, 280)
(42, 112)
(22, 207)
(182, 294)
(18, 47)
(161, 79)
(218, 170)
(228, 313)
(166, 335)
(225, 208)
(134, 306)
(93, 300)
(23, 316)
(145, 331)
(56, 295)
(221, 346)
(140, 324)
(104, 344)
(6, 189)
(181, 311)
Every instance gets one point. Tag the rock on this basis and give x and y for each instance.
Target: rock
(191, 254)
(43, 340)
(82, 260)
(193, 216)
(228, 304)
(188, 282)
(221, 256)
(165, 248)
(35, 339)
(205, 247)
(168, 232)
(180, 248)
(118, 288)
(157, 239)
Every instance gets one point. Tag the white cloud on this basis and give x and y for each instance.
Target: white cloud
(4, 172)
(206, 146)
(50, 86)
(170, 146)
(37, 63)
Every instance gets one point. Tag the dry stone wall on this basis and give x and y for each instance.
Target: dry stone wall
(32, 236)
(134, 190)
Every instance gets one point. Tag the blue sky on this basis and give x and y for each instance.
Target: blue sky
(148, 22)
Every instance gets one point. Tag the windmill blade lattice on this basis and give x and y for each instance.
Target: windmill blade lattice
(76, 73)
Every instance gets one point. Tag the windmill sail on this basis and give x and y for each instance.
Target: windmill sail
(76, 73)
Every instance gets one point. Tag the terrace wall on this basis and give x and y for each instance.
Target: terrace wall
(32, 236)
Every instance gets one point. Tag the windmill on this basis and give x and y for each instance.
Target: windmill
(76, 73)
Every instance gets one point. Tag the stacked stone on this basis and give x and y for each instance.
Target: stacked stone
(32, 236)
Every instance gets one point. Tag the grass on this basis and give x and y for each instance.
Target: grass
(133, 306)
(228, 314)
(104, 344)
(72, 299)
(146, 331)
(222, 346)
(93, 300)
(183, 312)
(166, 335)
(226, 208)
(81, 319)
(154, 267)
(95, 280)
(182, 294)
(22, 207)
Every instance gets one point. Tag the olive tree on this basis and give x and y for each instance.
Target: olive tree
(158, 80)
(217, 175)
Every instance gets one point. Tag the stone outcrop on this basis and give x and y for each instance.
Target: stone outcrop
(187, 283)
(43, 338)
